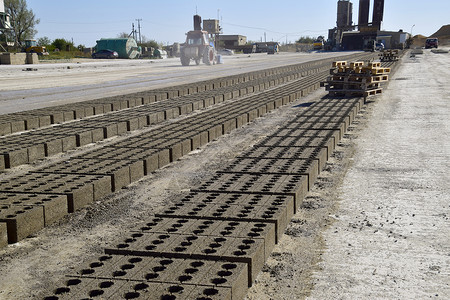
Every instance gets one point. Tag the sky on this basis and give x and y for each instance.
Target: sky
(167, 21)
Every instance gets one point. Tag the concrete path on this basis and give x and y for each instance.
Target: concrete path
(391, 237)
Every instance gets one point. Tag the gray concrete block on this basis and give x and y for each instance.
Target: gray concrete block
(262, 110)
(16, 158)
(252, 115)
(102, 187)
(175, 150)
(163, 157)
(31, 122)
(151, 163)
(54, 206)
(17, 126)
(3, 235)
(21, 221)
(204, 137)
(35, 152)
(83, 138)
(2, 162)
(195, 141)
(56, 117)
(110, 130)
(68, 116)
(5, 128)
(186, 146)
(78, 197)
(122, 127)
(136, 171)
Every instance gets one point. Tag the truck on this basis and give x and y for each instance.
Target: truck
(198, 46)
(272, 48)
(431, 43)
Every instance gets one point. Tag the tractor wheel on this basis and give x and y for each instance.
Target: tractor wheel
(208, 56)
(185, 60)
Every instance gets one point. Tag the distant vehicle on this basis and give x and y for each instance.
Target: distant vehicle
(31, 46)
(379, 47)
(272, 48)
(198, 47)
(226, 52)
(105, 54)
(319, 43)
(431, 43)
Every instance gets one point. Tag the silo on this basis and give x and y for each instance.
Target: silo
(378, 11)
(364, 8)
(344, 14)
(126, 47)
(197, 22)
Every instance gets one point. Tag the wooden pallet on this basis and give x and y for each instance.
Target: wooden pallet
(363, 78)
(355, 93)
(351, 86)
(355, 79)
(337, 64)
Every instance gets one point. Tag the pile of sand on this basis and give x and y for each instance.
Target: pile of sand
(443, 34)
(419, 40)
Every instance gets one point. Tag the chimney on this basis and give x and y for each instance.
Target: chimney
(378, 11)
(197, 22)
(364, 9)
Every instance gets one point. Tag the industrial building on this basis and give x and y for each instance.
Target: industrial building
(365, 34)
(229, 41)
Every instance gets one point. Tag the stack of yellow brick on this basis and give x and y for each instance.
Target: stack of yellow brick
(355, 79)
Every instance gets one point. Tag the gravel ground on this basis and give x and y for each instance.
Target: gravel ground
(376, 225)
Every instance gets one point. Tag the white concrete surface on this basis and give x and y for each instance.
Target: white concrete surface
(391, 235)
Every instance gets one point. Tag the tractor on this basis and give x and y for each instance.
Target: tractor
(198, 46)
(32, 47)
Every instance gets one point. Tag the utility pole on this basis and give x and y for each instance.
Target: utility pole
(139, 30)
(133, 32)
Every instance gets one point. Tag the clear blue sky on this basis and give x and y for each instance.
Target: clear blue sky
(166, 21)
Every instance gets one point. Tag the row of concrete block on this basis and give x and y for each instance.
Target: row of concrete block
(38, 118)
(233, 220)
(113, 167)
(151, 159)
(236, 217)
(28, 147)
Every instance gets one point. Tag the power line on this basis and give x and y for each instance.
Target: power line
(272, 31)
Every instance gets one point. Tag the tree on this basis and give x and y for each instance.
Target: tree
(44, 41)
(62, 44)
(306, 40)
(23, 20)
(123, 35)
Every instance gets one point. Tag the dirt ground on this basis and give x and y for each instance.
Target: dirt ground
(375, 225)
